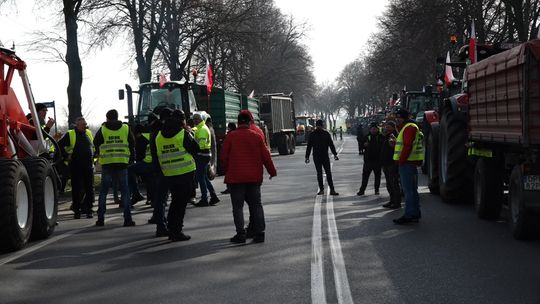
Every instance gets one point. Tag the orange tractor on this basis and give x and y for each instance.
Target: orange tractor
(28, 178)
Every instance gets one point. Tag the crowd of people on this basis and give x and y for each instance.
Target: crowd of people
(395, 148)
(172, 157)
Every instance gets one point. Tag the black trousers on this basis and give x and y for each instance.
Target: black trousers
(180, 187)
(360, 146)
(370, 166)
(251, 194)
(391, 174)
(320, 163)
(82, 192)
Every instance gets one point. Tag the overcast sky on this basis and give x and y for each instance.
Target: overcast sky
(338, 33)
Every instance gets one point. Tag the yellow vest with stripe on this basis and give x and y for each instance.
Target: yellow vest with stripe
(417, 152)
(148, 154)
(115, 147)
(73, 139)
(202, 136)
(172, 156)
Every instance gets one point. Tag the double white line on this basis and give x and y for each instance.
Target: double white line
(341, 281)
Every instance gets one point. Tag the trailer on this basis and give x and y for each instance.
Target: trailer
(277, 113)
(488, 139)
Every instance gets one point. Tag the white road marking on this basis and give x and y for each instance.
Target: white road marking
(49, 241)
(318, 291)
(343, 290)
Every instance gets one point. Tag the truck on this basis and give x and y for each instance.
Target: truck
(305, 124)
(418, 102)
(277, 112)
(29, 180)
(488, 139)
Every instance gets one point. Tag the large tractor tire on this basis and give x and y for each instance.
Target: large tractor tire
(292, 144)
(282, 143)
(488, 188)
(523, 222)
(433, 159)
(15, 206)
(44, 196)
(455, 171)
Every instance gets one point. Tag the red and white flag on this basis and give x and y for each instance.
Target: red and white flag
(162, 79)
(208, 77)
(448, 74)
(252, 94)
(472, 44)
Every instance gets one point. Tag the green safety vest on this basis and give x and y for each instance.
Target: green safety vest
(417, 152)
(73, 139)
(148, 154)
(202, 136)
(172, 156)
(115, 147)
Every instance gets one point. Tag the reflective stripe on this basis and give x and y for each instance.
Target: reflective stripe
(178, 166)
(204, 154)
(173, 155)
(114, 146)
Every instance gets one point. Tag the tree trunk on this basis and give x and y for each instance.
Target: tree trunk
(73, 62)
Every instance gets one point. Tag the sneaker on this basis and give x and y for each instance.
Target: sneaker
(148, 202)
(360, 193)
(202, 203)
(179, 237)
(77, 216)
(258, 238)
(405, 220)
(387, 205)
(333, 192)
(100, 223)
(249, 234)
(89, 216)
(213, 200)
(151, 220)
(129, 223)
(193, 201)
(238, 238)
(377, 192)
(320, 192)
(226, 191)
(135, 198)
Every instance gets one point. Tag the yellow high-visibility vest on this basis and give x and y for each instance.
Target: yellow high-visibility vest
(202, 136)
(417, 152)
(115, 147)
(172, 156)
(148, 154)
(73, 139)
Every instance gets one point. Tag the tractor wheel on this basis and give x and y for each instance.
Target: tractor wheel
(292, 144)
(16, 206)
(488, 189)
(44, 196)
(433, 160)
(522, 221)
(455, 171)
(282, 143)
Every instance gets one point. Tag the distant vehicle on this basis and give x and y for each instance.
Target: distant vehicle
(304, 126)
(277, 112)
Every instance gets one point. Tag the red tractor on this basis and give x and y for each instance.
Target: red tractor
(28, 179)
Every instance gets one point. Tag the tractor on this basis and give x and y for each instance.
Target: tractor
(28, 180)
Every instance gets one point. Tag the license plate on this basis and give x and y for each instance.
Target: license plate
(531, 182)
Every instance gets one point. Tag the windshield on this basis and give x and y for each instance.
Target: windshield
(151, 97)
(420, 103)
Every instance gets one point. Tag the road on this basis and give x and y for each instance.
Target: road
(318, 249)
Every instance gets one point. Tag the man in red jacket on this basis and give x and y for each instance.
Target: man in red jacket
(243, 157)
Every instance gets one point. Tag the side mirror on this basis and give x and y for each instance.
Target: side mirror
(121, 94)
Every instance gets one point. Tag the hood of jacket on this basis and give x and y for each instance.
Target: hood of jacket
(113, 124)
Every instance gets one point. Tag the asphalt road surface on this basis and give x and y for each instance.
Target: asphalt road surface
(318, 249)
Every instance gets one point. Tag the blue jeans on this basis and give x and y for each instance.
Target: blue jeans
(409, 181)
(107, 176)
(204, 181)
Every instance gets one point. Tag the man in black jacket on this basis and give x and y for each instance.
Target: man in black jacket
(320, 140)
(372, 145)
(77, 149)
(389, 166)
(360, 138)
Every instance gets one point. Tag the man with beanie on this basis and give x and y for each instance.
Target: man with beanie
(320, 140)
(243, 156)
(373, 143)
(389, 167)
(409, 153)
(202, 158)
(174, 149)
(115, 146)
(41, 109)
